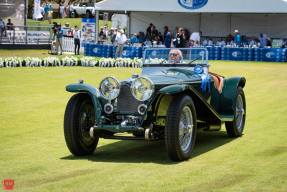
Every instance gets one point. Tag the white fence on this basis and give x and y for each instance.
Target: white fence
(69, 45)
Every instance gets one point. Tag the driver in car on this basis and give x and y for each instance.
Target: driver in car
(175, 56)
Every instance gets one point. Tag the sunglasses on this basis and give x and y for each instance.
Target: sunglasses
(173, 54)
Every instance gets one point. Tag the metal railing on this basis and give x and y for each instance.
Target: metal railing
(17, 34)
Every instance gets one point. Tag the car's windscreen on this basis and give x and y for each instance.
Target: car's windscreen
(165, 56)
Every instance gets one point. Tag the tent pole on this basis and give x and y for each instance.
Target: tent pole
(229, 27)
(96, 25)
(199, 24)
(129, 25)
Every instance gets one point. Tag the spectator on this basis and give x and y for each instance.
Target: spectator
(195, 37)
(236, 38)
(180, 38)
(147, 42)
(160, 38)
(42, 13)
(50, 13)
(253, 42)
(167, 41)
(120, 40)
(77, 39)
(262, 38)
(68, 11)
(106, 30)
(229, 40)
(220, 42)
(175, 31)
(142, 38)
(207, 42)
(268, 42)
(116, 31)
(101, 35)
(112, 35)
(46, 12)
(187, 34)
(10, 24)
(157, 39)
(148, 31)
(51, 7)
(59, 38)
(71, 9)
(284, 44)
(165, 32)
(154, 32)
(62, 11)
(134, 39)
(243, 42)
(67, 30)
(1, 27)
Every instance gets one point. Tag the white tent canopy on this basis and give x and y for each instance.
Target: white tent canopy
(216, 18)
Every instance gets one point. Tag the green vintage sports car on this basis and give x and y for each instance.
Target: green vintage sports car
(173, 98)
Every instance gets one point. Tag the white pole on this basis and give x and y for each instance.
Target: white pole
(96, 25)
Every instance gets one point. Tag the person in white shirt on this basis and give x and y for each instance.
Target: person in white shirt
(207, 42)
(253, 42)
(195, 37)
(106, 30)
(71, 8)
(147, 42)
(62, 11)
(220, 42)
(77, 39)
(262, 38)
(120, 40)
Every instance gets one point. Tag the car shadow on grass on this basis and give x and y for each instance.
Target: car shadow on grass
(152, 151)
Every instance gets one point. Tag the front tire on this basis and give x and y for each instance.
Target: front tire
(180, 129)
(88, 14)
(79, 118)
(235, 128)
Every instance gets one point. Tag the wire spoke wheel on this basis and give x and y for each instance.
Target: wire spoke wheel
(180, 130)
(185, 125)
(235, 128)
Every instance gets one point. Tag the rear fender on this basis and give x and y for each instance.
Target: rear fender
(228, 95)
(94, 94)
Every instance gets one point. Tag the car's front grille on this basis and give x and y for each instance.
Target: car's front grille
(126, 101)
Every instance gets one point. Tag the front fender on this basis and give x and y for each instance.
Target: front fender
(228, 95)
(92, 91)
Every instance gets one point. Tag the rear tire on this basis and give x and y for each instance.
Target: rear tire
(235, 128)
(180, 129)
(79, 118)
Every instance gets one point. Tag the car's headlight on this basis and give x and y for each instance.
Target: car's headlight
(110, 88)
(142, 88)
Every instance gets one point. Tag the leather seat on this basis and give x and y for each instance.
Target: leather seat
(218, 80)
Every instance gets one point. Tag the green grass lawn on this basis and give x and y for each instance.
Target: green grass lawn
(41, 54)
(34, 153)
(71, 21)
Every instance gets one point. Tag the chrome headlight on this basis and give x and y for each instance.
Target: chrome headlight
(110, 88)
(142, 88)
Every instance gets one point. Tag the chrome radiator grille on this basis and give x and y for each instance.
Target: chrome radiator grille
(126, 101)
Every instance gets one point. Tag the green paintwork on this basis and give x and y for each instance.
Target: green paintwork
(227, 100)
(92, 91)
(168, 82)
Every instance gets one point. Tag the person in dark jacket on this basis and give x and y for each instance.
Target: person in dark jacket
(167, 41)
